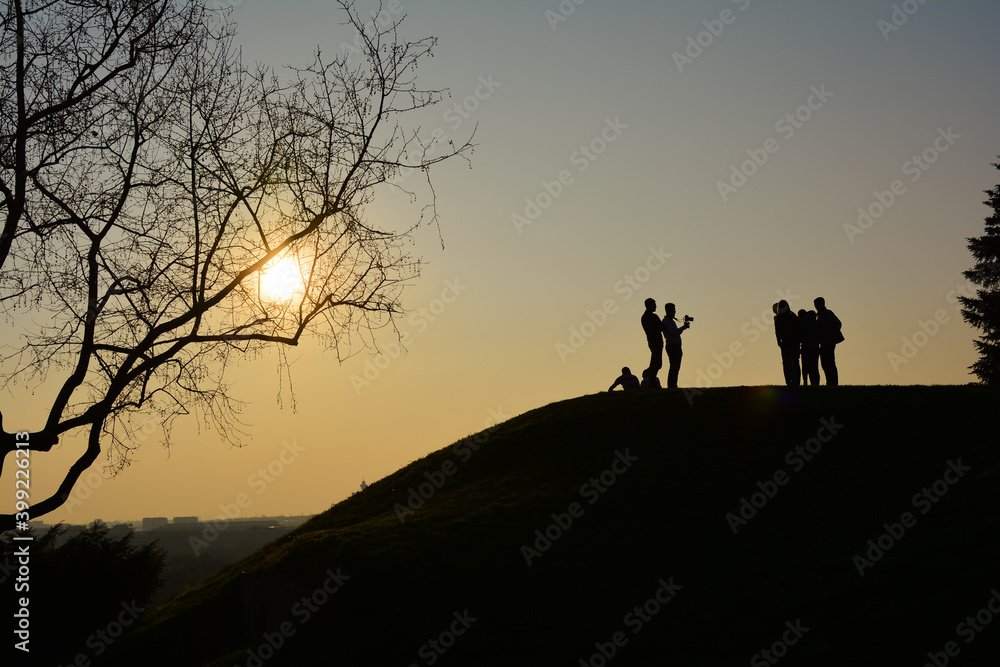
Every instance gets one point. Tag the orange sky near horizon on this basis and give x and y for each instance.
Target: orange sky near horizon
(805, 150)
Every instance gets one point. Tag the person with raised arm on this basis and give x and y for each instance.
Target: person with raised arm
(672, 335)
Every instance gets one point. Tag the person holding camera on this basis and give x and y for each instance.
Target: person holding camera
(672, 334)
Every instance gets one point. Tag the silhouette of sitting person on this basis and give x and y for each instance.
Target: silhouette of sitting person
(649, 380)
(626, 380)
(786, 330)
(829, 336)
(672, 336)
(654, 337)
(810, 346)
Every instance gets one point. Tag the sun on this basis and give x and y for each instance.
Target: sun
(281, 280)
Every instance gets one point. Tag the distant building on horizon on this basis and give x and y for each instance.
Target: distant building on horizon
(154, 522)
(181, 523)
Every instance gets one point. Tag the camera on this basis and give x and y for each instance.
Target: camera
(688, 319)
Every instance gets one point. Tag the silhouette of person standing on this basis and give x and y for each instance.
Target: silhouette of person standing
(786, 330)
(829, 335)
(672, 335)
(626, 380)
(810, 347)
(654, 336)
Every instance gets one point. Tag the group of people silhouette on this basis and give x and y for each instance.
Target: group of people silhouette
(811, 336)
(660, 334)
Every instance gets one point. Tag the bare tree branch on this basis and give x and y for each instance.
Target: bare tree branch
(149, 181)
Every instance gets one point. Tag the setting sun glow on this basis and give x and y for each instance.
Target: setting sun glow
(281, 280)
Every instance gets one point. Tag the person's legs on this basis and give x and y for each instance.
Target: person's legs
(810, 365)
(655, 357)
(674, 355)
(829, 362)
(834, 373)
(790, 365)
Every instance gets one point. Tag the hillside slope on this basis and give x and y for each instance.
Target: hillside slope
(607, 529)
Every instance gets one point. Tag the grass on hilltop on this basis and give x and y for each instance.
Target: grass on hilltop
(664, 517)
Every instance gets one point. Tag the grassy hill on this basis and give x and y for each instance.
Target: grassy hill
(626, 506)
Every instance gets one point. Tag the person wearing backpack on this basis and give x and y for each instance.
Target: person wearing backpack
(830, 336)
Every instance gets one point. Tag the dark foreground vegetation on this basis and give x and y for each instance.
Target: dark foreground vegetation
(868, 535)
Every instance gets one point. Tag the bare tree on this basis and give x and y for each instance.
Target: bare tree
(151, 181)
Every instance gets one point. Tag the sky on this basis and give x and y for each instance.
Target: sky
(721, 155)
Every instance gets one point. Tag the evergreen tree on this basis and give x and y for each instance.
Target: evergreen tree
(983, 310)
